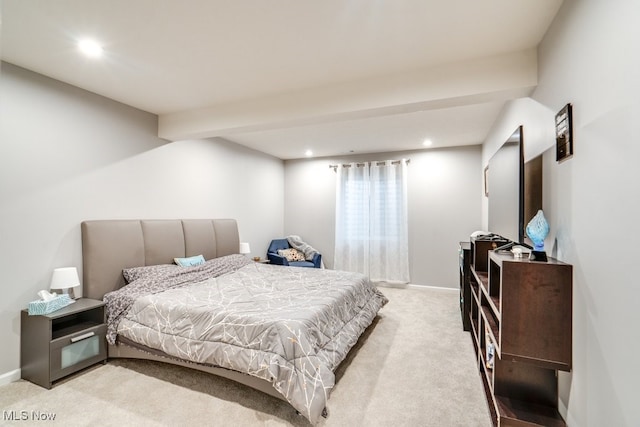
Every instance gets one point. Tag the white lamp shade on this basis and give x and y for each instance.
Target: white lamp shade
(64, 278)
(244, 248)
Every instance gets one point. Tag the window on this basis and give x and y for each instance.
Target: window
(371, 220)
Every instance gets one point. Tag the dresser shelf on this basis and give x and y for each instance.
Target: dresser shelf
(523, 310)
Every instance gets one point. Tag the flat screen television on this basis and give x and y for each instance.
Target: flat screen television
(505, 187)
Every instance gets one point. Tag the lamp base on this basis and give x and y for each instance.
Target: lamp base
(538, 256)
(69, 291)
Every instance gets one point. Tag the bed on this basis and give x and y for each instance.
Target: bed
(281, 330)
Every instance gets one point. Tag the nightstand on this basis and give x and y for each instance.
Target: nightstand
(61, 343)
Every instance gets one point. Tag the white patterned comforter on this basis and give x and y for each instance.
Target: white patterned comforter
(288, 325)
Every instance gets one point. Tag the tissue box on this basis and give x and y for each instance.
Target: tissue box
(46, 307)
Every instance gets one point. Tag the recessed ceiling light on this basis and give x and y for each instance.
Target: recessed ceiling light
(308, 153)
(427, 143)
(91, 48)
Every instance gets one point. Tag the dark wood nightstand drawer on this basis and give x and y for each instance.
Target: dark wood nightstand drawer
(73, 352)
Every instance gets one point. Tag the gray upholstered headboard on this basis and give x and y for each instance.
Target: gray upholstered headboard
(109, 246)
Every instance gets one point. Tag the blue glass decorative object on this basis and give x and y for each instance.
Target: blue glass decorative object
(537, 230)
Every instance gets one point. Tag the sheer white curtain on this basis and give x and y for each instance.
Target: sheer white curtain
(371, 220)
(352, 218)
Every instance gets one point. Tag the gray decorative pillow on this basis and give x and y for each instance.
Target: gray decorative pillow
(135, 273)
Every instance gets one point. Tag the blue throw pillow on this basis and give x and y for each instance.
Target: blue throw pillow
(190, 261)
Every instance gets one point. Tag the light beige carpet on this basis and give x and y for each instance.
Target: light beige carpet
(414, 367)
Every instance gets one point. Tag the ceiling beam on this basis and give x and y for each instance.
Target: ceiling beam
(496, 78)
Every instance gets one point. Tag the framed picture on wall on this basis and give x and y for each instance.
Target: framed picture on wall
(564, 133)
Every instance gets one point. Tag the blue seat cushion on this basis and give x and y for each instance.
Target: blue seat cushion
(301, 264)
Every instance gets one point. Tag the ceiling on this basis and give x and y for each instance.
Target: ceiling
(284, 76)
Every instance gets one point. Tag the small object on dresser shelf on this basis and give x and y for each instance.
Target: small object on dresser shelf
(520, 251)
(490, 356)
(538, 256)
(538, 230)
(490, 352)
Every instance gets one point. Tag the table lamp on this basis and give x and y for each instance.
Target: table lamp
(65, 279)
(245, 248)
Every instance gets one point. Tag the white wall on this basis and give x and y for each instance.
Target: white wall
(67, 155)
(444, 206)
(590, 58)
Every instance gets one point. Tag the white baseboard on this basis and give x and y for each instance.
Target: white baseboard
(10, 377)
(443, 288)
(412, 286)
